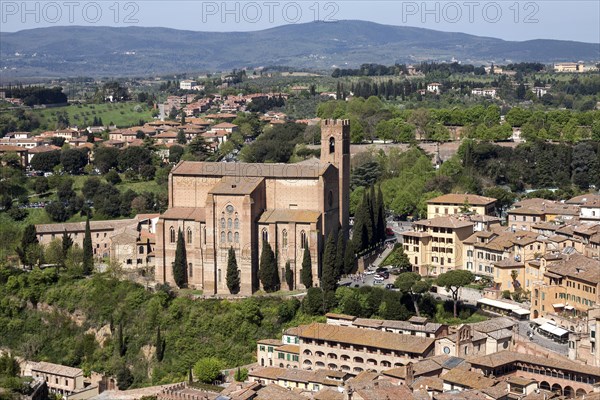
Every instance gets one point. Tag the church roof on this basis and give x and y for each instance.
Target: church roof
(187, 213)
(236, 185)
(264, 170)
(285, 215)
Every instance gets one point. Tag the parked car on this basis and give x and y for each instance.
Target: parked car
(379, 278)
(389, 286)
(370, 272)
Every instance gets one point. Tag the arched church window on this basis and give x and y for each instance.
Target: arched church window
(222, 223)
(229, 237)
(189, 235)
(236, 237)
(222, 236)
(229, 223)
(284, 238)
(265, 235)
(236, 223)
(172, 235)
(303, 241)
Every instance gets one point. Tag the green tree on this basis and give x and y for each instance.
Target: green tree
(328, 275)
(306, 275)
(453, 281)
(160, 343)
(28, 239)
(73, 160)
(289, 276)
(241, 374)
(180, 264)
(88, 252)
(181, 139)
(349, 258)
(233, 274)
(269, 277)
(411, 284)
(208, 369)
(339, 255)
(312, 304)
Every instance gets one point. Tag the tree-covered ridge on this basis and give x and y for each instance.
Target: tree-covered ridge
(44, 316)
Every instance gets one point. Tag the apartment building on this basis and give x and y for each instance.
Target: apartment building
(570, 284)
(353, 350)
(529, 212)
(435, 246)
(453, 204)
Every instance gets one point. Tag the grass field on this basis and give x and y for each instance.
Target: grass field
(121, 114)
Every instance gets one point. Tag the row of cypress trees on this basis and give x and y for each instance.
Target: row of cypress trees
(369, 221)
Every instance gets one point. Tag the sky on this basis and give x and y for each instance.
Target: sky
(509, 20)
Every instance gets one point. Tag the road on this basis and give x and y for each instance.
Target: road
(559, 348)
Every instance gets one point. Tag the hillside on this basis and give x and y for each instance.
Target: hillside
(138, 51)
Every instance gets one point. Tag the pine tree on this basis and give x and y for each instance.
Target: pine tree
(289, 276)
(233, 274)
(88, 251)
(306, 276)
(160, 344)
(339, 255)
(328, 278)
(180, 263)
(349, 258)
(268, 269)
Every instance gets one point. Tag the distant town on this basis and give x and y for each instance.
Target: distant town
(427, 231)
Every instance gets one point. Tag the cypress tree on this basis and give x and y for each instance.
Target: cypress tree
(233, 274)
(372, 225)
(67, 243)
(180, 263)
(339, 255)
(381, 225)
(268, 269)
(121, 340)
(328, 278)
(362, 223)
(28, 239)
(289, 276)
(349, 258)
(306, 273)
(88, 251)
(160, 344)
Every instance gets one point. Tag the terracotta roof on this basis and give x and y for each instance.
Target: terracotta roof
(231, 185)
(526, 211)
(576, 266)
(377, 339)
(56, 369)
(341, 316)
(270, 342)
(43, 149)
(455, 198)
(506, 357)
(428, 381)
(80, 226)
(289, 348)
(265, 170)
(10, 148)
(445, 222)
(468, 379)
(224, 125)
(286, 215)
(584, 198)
(187, 213)
(493, 324)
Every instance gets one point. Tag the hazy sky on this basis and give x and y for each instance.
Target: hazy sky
(511, 20)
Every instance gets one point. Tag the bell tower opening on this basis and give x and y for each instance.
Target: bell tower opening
(331, 145)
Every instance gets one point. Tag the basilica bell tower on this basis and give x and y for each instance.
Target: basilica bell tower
(335, 149)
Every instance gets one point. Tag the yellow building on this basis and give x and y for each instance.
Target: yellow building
(453, 204)
(435, 245)
(570, 284)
